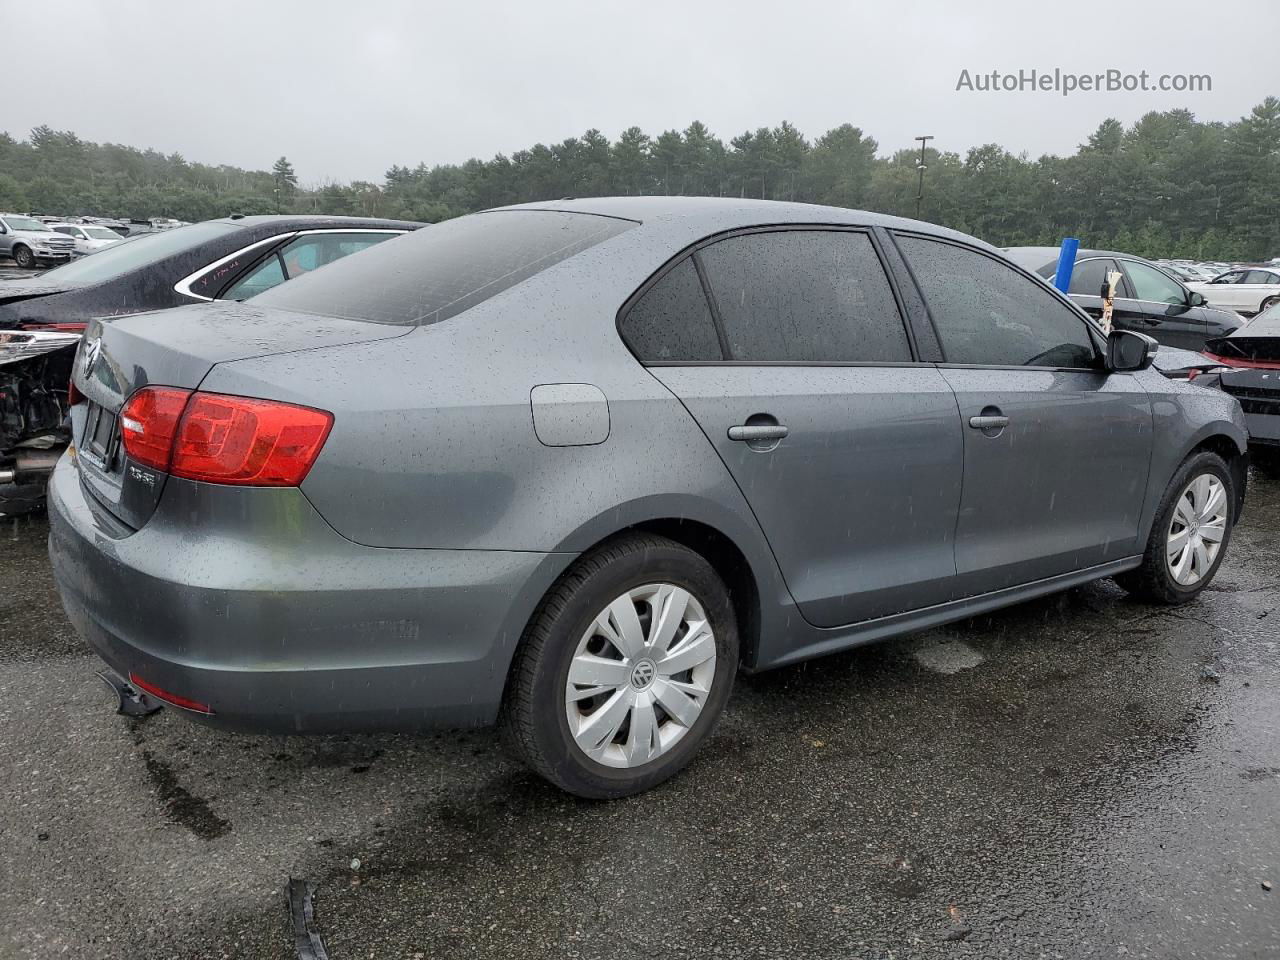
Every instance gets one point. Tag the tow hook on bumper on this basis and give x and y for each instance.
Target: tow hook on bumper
(132, 702)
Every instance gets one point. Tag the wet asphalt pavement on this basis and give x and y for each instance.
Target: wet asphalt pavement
(1081, 776)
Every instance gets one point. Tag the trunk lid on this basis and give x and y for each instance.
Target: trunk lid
(175, 348)
(14, 292)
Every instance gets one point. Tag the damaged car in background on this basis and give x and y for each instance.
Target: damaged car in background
(43, 316)
(1247, 366)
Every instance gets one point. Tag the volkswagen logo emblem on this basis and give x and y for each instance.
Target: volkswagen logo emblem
(643, 674)
(91, 350)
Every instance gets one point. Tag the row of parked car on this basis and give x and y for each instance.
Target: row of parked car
(34, 241)
(570, 466)
(1247, 287)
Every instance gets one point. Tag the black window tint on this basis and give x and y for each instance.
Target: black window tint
(986, 312)
(805, 295)
(442, 270)
(672, 320)
(1088, 276)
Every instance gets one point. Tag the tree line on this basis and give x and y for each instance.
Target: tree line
(1167, 185)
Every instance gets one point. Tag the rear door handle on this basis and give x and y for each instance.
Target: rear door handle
(759, 432)
(988, 423)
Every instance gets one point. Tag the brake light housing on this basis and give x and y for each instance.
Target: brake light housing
(149, 422)
(222, 438)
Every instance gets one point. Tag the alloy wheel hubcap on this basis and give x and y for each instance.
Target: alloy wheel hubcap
(1196, 529)
(640, 676)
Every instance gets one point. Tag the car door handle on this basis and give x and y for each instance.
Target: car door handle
(988, 423)
(771, 431)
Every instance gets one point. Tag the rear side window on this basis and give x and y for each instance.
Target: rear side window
(440, 271)
(1088, 276)
(988, 313)
(260, 279)
(672, 321)
(805, 296)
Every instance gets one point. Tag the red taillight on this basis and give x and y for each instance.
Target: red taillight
(217, 438)
(149, 422)
(74, 395)
(170, 698)
(239, 440)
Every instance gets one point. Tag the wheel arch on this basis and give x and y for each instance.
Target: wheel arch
(733, 545)
(1234, 451)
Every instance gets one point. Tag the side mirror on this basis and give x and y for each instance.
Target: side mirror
(1127, 350)
(1196, 299)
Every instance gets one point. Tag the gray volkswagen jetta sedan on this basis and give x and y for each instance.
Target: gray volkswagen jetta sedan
(570, 466)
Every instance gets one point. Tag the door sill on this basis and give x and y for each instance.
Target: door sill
(833, 639)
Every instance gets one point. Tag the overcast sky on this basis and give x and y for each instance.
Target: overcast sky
(346, 89)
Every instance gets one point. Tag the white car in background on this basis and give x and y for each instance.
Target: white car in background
(1244, 289)
(88, 237)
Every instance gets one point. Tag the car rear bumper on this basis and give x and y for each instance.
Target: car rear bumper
(279, 624)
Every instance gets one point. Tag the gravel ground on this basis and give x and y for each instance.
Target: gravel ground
(1081, 776)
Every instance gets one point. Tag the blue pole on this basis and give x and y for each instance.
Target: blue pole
(1066, 263)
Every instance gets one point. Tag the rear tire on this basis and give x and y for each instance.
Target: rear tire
(1180, 560)
(623, 619)
(23, 257)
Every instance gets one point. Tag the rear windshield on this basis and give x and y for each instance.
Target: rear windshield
(440, 271)
(119, 258)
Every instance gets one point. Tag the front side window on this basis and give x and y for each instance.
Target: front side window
(672, 321)
(987, 313)
(1235, 276)
(1151, 285)
(802, 296)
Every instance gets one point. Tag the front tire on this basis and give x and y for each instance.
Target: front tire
(1268, 304)
(23, 257)
(624, 670)
(1190, 534)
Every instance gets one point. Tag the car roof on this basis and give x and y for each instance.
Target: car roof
(303, 222)
(716, 214)
(1037, 258)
